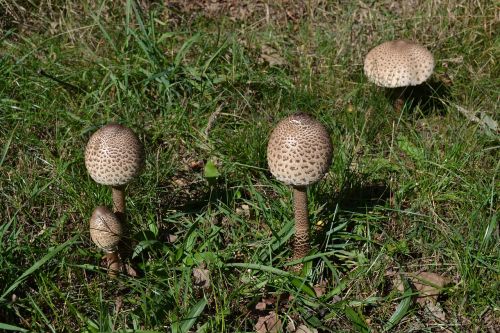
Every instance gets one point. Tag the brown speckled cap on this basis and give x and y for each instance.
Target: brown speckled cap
(299, 151)
(105, 229)
(114, 155)
(398, 63)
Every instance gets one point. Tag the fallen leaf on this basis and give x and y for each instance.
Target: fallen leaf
(320, 288)
(118, 304)
(260, 306)
(268, 324)
(305, 329)
(201, 277)
(436, 310)
(130, 270)
(271, 56)
(428, 285)
(290, 326)
(243, 211)
(171, 238)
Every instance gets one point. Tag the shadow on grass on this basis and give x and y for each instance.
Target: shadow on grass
(355, 198)
(429, 96)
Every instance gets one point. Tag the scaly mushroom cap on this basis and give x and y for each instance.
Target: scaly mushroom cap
(299, 151)
(114, 155)
(105, 229)
(398, 63)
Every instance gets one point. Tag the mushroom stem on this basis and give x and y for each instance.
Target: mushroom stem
(118, 193)
(113, 263)
(301, 243)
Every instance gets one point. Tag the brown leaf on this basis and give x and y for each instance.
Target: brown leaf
(260, 306)
(268, 324)
(305, 329)
(436, 310)
(428, 285)
(320, 288)
(130, 270)
(201, 277)
(271, 56)
(243, 211)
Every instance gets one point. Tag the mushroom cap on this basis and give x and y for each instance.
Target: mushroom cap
(114, 155)
(299, 151)
(105, 229)
(398, 63)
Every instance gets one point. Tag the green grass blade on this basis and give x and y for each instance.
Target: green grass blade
(358, 321)
(184, 49)
(37, 265)
(402, 308)
(6, 146)
(7, 327)
(264, 268)
(193, 315)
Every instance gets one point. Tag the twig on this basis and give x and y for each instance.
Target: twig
(65, 84)
(488, 123)
(212, 119)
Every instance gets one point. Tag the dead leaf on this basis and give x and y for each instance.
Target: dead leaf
(118, 304)
(436, 310)
(271, 56)
(305, 329)
(201, 277)
(171, 238)
(261, 306)
(428, 285)
(130, 270)
(290, 326)
(268, 324)
(320, 288)
(243, 211)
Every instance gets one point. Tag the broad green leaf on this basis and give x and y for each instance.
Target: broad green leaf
(210, 170)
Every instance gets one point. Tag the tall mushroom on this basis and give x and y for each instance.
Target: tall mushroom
(106, 231)
(299, 153)
(398, 64)
(114, 156)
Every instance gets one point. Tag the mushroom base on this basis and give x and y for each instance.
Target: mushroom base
(113, 264)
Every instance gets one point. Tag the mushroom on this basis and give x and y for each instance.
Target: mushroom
(397, 64)
(114, 156)
(299, 153)
(106, 232)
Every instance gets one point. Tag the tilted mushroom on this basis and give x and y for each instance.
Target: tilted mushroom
(398, 63)
(114, 156)
(106, 232)
(299, 153)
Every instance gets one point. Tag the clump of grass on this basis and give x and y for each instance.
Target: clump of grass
(411, 192)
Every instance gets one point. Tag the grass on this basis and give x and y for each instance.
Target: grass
(410, 192)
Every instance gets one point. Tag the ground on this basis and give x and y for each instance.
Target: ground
(408, 209)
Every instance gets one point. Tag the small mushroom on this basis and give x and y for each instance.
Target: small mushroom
(114, 156)
(299, 153)
(398, 64)
(106, 232)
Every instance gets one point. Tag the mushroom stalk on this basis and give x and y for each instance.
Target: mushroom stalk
(118, 193)
(113, 263)
(301, 243)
